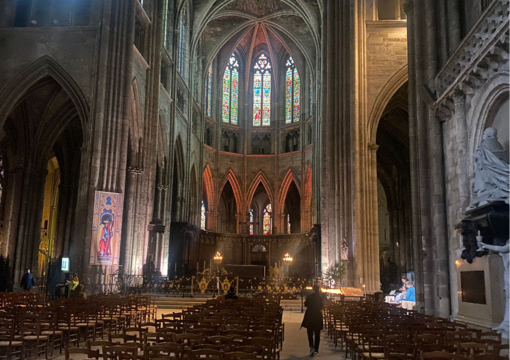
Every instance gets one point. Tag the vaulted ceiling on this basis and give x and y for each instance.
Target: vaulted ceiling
(281, 26)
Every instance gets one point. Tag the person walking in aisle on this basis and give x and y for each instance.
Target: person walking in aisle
(312, 320)
(27, 281)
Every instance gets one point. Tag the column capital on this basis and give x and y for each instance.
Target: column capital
(373, 147)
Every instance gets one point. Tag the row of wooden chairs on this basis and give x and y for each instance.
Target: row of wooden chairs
(371, 330)
(30, 328)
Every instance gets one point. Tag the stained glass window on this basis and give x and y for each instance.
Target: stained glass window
(262, 92)
(292, 93)
(231, 91)
(268, 221)
(251, 221)
(202, 216)
(182, 41)
(288, 223)
(311, 93)
(208, 92)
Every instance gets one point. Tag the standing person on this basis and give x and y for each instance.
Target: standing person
(27, 281)
(410, 299)
(313, 319)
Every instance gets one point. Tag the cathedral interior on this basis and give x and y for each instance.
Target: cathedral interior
(150, 135)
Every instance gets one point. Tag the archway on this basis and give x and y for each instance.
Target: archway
(227, 210)
(292, 210)
(394, 197)
(177, 181)
(41, 140)
(261, 211)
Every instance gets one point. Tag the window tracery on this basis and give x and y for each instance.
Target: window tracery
(231, 91)
(292, 93)
(251, 221)
(202, 216)
(262, 92)
(268, 221)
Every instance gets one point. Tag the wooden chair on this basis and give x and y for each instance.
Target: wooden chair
(32, 336)
(10, 347)
(224, 341)
(51, 329)
(471, 349)
(441, 355)
(163, 351)
(490, 357)
(82, 351)
(239, 356)
(100, 344)
(206, 354)
(120, 352)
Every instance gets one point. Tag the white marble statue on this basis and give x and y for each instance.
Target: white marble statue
(492, 171)
(503, 251)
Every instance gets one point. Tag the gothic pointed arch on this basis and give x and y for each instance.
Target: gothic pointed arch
(232, 179)
(178, 181)
(208, 187)
(385, 95)
(260, 178)
(289, 178)
(45, 66)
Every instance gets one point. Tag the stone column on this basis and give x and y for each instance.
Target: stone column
(415, 150)
(437, 191)
(336, 192)
(459, 99)
(108, 157)
(374, 283)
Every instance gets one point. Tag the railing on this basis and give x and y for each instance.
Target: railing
(203, 285)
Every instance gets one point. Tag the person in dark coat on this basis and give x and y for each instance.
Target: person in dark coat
(27, 281)
(313, 319)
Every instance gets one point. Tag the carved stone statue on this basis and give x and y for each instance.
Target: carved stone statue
(491, 172)
(503, 251)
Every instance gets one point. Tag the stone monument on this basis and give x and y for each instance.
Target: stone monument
(486, 225)
(492, 175)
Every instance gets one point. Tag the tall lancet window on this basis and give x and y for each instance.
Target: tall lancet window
(231, 91)
(208, 92)
(292, 93)
(262, 92)
(202, 216)
(251, 221)
(182, 42)
(268, 221)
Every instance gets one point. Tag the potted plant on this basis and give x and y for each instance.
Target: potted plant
(336, 273)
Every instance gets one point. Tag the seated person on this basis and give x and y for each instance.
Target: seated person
(231, 293)
(398, 297)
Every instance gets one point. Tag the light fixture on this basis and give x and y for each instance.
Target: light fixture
(287, 259)
(218, 258)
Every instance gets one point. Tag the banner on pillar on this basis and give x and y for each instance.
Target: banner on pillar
(106, 229)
